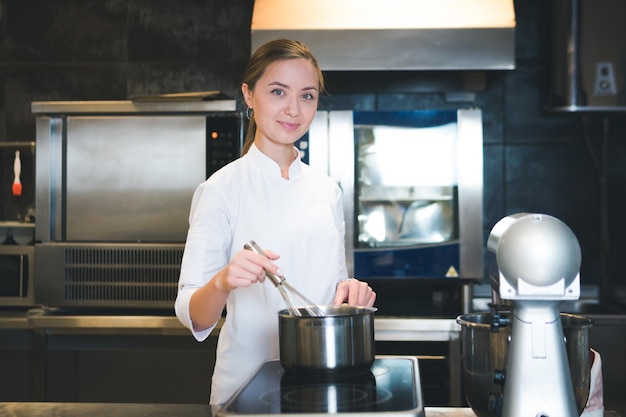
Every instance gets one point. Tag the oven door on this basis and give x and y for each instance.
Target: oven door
(17, 276)
(412, 189)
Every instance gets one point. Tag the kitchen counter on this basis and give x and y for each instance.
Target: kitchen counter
(17, 409)
(152, 410)
(14, 319)
(71, 336)
(80, 332)
(111, 322)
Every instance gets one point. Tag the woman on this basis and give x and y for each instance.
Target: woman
(270, 196)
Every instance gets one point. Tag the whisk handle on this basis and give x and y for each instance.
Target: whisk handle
(254, 247)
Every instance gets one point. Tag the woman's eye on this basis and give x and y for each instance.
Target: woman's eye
(308, 96)
(278, 92)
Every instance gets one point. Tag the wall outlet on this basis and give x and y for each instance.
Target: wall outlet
(604, 84)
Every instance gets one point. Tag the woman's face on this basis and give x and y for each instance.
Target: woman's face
(284, 101)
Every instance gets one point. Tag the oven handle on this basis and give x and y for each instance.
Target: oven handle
(22, 275)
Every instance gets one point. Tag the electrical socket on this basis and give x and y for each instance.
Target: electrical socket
(604, 84)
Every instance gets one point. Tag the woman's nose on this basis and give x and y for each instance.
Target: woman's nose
(292, 108)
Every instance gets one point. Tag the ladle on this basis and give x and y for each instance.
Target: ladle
(293, 298)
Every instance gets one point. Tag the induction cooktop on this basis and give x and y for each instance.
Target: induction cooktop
(392, 385)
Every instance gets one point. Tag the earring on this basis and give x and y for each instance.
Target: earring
(249, 113)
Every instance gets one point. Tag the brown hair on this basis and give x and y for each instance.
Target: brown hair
(273, 51)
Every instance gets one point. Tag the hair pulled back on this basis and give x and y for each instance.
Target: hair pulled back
(265, 55)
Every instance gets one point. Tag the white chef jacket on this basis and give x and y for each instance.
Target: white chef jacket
(300, 219)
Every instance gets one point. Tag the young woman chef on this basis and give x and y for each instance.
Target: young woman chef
(268, 195)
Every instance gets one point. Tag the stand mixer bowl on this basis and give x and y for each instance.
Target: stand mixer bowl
(484, 358)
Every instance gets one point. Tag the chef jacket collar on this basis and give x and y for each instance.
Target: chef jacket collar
(271, 167)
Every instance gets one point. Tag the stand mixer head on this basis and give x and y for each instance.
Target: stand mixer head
(537, 264)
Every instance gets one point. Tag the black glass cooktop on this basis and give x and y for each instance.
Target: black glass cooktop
(391, 385)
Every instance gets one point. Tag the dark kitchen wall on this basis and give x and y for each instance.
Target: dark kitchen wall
(534, 161)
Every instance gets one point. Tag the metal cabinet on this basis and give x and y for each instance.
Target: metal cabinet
(122, 359)
(125, 368)
(19, 358)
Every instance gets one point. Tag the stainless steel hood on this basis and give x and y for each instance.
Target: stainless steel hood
(394, 34)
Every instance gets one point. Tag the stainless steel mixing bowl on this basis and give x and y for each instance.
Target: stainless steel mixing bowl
(484, 356)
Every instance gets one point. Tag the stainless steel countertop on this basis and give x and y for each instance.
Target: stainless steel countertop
(55, 321)
(49, 409)
(129, 106)
(29, 409)
(13, 319)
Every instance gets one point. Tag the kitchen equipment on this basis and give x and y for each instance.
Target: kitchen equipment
(412, 186)
(114, 183)
(391, 386)
(339, 341)
(355, 35)
(585, 68)
(537, 263)
(17, 273)
(485, 351)
(293, 298)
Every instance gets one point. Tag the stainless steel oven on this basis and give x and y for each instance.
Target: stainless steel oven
(114, 186)
(412, 186)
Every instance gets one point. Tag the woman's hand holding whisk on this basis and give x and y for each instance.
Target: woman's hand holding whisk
(247, 268)
(355, 293)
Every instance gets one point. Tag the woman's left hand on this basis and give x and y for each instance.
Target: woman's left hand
(354, 292)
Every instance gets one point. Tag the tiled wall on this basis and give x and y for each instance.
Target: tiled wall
(111, 49)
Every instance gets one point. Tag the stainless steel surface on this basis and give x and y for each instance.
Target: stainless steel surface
(107, 275)
(340, 137)
(332, 148)
(405, 329)
(62, 322)
(75, 409)
(29, 409)
(293, 298)
(127, 106)
(110, 229)
(470, 180)
(538, 258)
(396, 35)
(485, 353)
(341, 340)
(138, 172)
(56, 321)
(390, 329)
(581, 33)
(11, 319)
(150, 158)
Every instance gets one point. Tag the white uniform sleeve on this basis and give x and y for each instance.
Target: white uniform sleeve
(204, 254)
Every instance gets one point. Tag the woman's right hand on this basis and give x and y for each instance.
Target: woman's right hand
(247, 268)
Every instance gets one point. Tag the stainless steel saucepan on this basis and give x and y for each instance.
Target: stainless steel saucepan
(342, 340)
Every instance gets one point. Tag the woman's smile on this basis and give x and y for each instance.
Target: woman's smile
(289, 126)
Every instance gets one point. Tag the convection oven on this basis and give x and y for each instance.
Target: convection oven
(412, 185)
(114, 185)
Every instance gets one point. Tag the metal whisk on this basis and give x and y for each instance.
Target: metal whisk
(293, 298)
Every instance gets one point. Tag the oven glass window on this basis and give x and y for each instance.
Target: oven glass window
(13, 276)
(406, 187)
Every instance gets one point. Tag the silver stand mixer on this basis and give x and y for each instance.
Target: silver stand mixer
(538, 261)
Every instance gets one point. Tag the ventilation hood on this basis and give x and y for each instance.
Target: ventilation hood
(394, 34)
